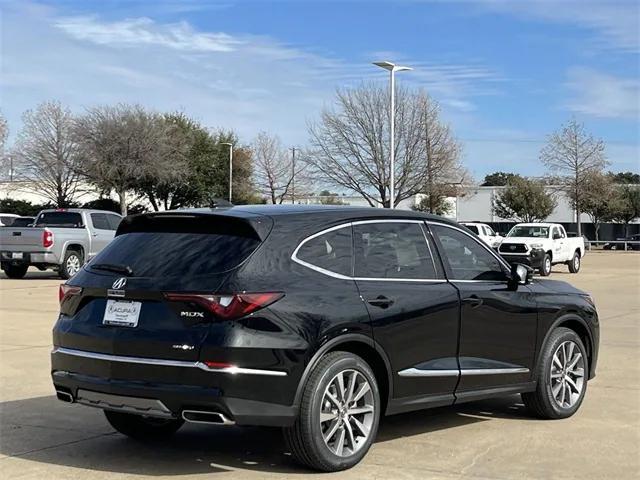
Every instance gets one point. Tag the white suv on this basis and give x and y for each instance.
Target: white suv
(485, 232)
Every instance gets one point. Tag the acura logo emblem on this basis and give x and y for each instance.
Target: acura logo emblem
(119, 283)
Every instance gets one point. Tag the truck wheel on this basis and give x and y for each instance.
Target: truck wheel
(339, 414)
(71, 264)
(562, 376)
(15, 271)
(545, 268)
(142, 428)
(574, 264)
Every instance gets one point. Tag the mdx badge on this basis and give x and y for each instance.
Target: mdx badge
(192, 314)
(119, 283)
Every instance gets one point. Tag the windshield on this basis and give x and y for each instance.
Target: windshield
(164, 254)
(59, 219)
(529, 231)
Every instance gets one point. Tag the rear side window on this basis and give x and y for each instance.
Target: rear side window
(99, 221)
(330, 251)
(59, 219)
(392, 250)
(473, 228)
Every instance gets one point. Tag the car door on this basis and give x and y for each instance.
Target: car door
(101, 233)
(560, 245)
(498, 324)
(413, 309)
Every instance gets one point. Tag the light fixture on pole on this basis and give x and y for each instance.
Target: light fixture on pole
(392, 68)
(230, 145)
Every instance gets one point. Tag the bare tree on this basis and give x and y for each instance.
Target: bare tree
(599, 200)
(5, 162)
(574, 154)
(47, 155)
(444, 172)
(125, 145)
(351, 148)
(273, 169)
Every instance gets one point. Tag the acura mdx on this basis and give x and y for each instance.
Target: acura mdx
(316, 319)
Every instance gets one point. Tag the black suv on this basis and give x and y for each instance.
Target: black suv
(316, 319)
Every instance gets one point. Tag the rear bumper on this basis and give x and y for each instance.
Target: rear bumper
(29, 258)
(244, 397)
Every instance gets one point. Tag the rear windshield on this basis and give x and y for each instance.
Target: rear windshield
(22, 222)
(59, 219)
(168, 254)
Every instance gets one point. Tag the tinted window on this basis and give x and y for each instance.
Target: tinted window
(114, 221)
(22, 222)
(59, 219)
(6, 221)
(329, 251)
(473, 228)
(392, 250)
(466, 257)
(160, 254)
(99, 221)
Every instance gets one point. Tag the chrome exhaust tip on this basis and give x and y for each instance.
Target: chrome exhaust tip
(203, 416)
(64, 396)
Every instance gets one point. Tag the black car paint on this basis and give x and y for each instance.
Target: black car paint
(428, 322)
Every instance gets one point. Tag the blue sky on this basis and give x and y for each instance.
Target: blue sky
(506, 73)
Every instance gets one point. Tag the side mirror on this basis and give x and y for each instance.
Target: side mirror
(520, 275)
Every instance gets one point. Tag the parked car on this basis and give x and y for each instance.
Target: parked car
(541, 245)
(23, 221)
(61, 239)
(633, 245)
(6, 219)
(313, 318)
(485, 232)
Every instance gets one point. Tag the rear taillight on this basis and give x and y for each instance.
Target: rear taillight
(47, 239)
(228, 307)
(65, 291)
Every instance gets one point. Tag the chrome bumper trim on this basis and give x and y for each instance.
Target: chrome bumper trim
(166, 363)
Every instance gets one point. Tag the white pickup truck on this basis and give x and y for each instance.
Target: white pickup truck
(541, 245)
(485, 232)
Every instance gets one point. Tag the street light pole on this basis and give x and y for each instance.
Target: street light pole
(230, 168)
(293, 175)
(392, 68)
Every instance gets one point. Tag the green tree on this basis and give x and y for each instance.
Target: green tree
(438, 204)
(499, 179)
(625, 177)
(599, 199)
(626, 206)
(524, 200)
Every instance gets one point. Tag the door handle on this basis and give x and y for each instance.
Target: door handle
(380, 301)
(474, 301)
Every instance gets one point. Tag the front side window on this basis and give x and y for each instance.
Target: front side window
(99, 221)
(489, 231)
(330, 251)
(392, 250)
(466, 257)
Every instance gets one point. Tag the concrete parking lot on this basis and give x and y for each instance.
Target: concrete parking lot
(41, 437)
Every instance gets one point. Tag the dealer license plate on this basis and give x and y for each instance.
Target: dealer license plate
(122, 313)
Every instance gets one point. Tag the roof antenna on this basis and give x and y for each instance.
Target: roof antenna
(220, 203)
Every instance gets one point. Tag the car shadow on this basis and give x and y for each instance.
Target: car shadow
(45, 430)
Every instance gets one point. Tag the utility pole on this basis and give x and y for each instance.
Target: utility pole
(293, 175)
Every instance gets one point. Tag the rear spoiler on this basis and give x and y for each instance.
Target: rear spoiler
(250, 226)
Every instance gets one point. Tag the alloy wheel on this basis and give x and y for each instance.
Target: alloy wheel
(576, 262)
(567, 374)
(73, 265)
(347, 413)
(547, 264)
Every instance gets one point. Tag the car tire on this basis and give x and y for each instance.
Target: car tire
(143, 428)
(560, 386)
(15, 271)
(574, 263)
(328, 435)
(545, 268)
(73, 261)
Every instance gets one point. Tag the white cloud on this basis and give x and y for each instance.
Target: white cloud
(616, 22)
(602, 95)
(144, 31)
(242, 81)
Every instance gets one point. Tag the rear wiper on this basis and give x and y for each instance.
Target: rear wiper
(112, 267)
